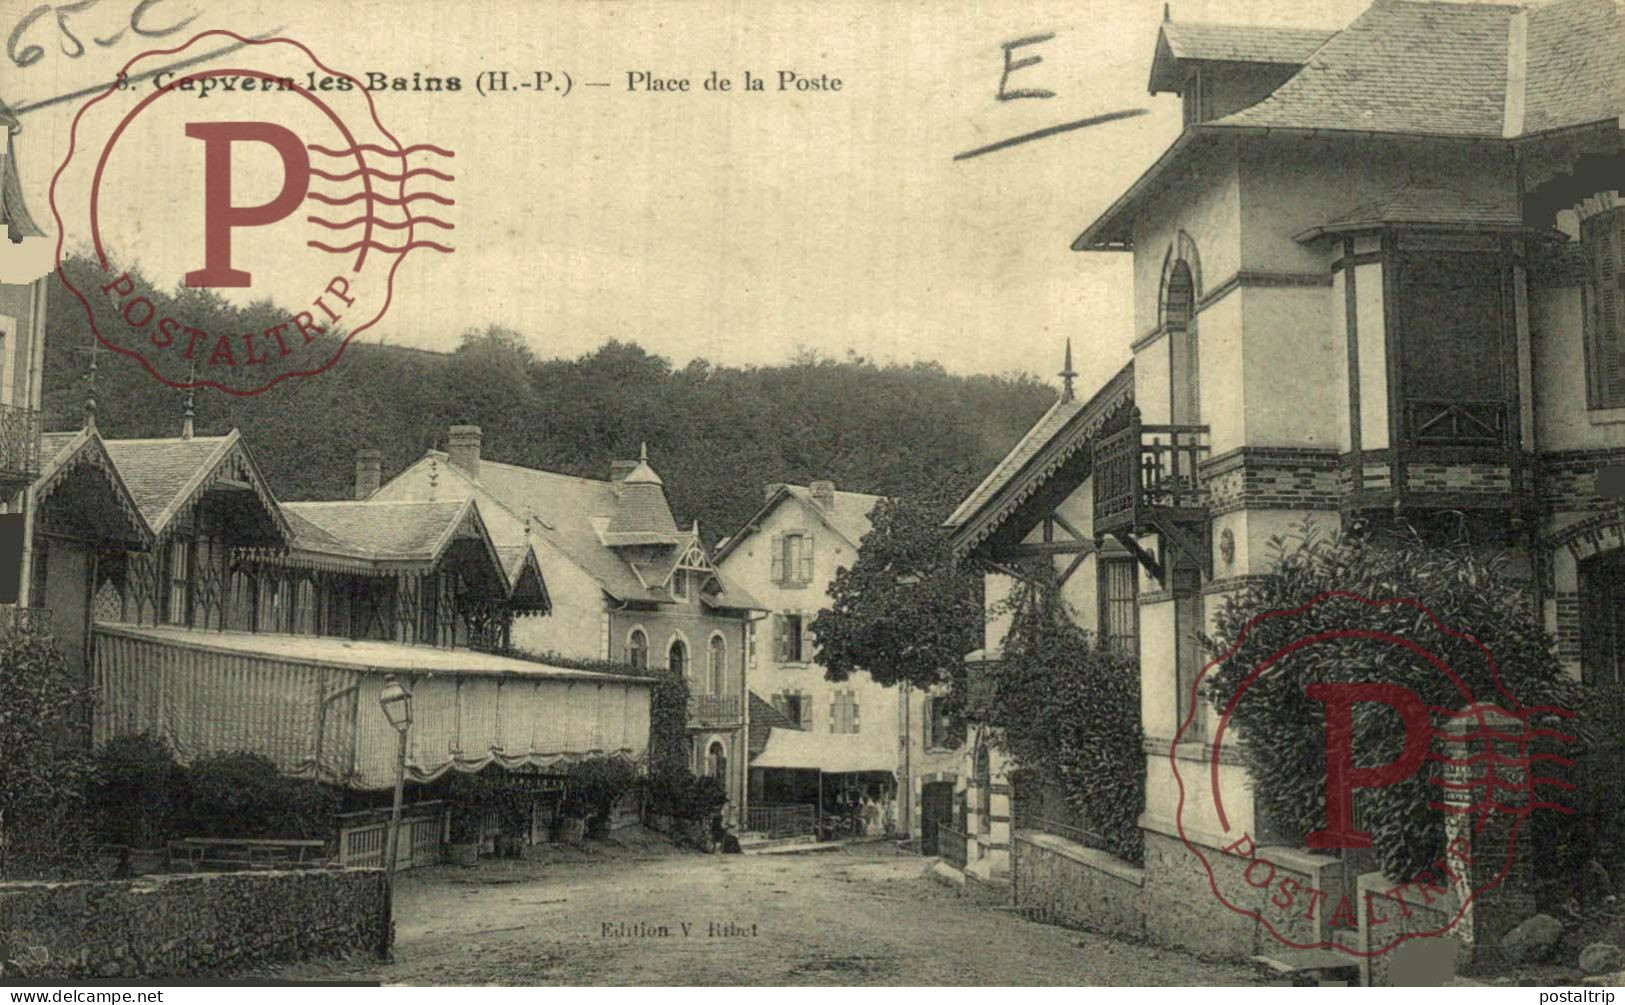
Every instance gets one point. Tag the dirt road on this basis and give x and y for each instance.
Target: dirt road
(645, 913)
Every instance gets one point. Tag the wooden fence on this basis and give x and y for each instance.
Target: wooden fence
(786, 820)
(363, 837)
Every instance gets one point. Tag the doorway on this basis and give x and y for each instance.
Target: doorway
(936, 808)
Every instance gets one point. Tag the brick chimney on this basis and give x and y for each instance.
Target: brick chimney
(369, 472)
(823, 494)
(463, 449)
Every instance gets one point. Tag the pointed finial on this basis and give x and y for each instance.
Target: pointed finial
(643, 452)
(1166, 14)
(90, 388)
(1067, 373)
(191, 392)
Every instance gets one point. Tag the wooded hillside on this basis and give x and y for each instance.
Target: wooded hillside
(716, 433)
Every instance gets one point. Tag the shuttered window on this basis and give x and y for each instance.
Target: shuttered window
(1603, 238)
(843, 712)
(792, 558)
(790, 637)
(795, 706)
(637, 649)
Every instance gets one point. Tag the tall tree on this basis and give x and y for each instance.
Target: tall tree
(904, 612)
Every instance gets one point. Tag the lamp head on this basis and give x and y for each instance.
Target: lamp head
(396, 701)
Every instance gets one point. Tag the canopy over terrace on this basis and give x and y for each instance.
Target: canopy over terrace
(231, 691)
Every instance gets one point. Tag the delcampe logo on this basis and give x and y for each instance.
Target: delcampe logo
(272, 181)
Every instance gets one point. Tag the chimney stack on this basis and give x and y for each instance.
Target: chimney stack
(823, 493)
(369, 472)
(463, 449)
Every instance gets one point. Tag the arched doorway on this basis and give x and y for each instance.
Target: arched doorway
(716, 761)
(677, 657)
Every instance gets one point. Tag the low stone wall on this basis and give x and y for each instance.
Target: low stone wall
(1062, 882)
(170, 926)
(690, 831)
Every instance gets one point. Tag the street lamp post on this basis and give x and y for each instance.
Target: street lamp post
(396, 701)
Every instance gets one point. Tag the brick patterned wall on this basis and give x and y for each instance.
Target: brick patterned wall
(1477, 479)
(1568, 480)
(1568, 627)
(168, 926)
(1272, 478)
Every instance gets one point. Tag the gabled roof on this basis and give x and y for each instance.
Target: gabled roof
(62, 454)
(1181, 41)
(849, 518)
(166, 476)
(1068, 427)
(565, 515)
(1476, 72)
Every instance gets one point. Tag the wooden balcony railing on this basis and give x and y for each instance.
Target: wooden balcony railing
(711, 710)
(19, 444)
(1437, 423)
(1142, 467)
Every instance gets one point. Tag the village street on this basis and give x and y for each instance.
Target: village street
(857, 916)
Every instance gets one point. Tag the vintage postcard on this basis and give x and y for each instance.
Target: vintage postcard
(919, 493)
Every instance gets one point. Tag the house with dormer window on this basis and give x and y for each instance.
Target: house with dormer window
(1377, 283)
(625, 582)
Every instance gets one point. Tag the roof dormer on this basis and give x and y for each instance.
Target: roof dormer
(1223, 68)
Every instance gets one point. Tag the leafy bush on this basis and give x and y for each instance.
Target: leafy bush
(680, 793)
(1282, 732)
(141, 791)
(46, 770)
(473, 797)
(243, 795)
(594, 785)
(1068, 707)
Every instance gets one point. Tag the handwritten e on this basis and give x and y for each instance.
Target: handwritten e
(1012, 65)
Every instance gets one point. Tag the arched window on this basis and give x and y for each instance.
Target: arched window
(1179, 315)
(637, 649)
(717, 760)
(677, 657)
(717, 664)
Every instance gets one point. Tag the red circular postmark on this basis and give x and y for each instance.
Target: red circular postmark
(263, 185)
(1475, 756)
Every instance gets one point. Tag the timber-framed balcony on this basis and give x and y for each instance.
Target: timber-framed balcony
(1148, 479)
(19, 445)
(713, 711)
(1454, 454)
(1440, 423)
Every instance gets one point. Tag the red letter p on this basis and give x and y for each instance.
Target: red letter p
(220, 216)
(1342, 777)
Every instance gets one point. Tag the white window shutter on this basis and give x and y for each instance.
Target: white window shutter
(806, 636)
(778, 570)
(926, 723)
(806, 571)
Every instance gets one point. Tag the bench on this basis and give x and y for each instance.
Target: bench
(226, 854)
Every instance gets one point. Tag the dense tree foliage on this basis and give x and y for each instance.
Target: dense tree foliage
(716, 434)
(904, 612)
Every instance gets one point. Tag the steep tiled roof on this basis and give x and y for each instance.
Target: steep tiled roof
(1068, 427)
(403, 531)
(1229, 43)
(160, 472)
(1403, 67)
(1576, 64)
(61, 454)
(1471, 71)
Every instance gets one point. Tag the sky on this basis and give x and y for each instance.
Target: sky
(738, 227)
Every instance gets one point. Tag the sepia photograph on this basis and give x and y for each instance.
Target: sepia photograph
(876, 493)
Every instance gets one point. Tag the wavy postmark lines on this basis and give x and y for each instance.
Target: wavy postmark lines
(1488, 766)
(285, 197)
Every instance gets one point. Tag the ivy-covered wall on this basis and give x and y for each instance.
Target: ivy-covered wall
(168, 926)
